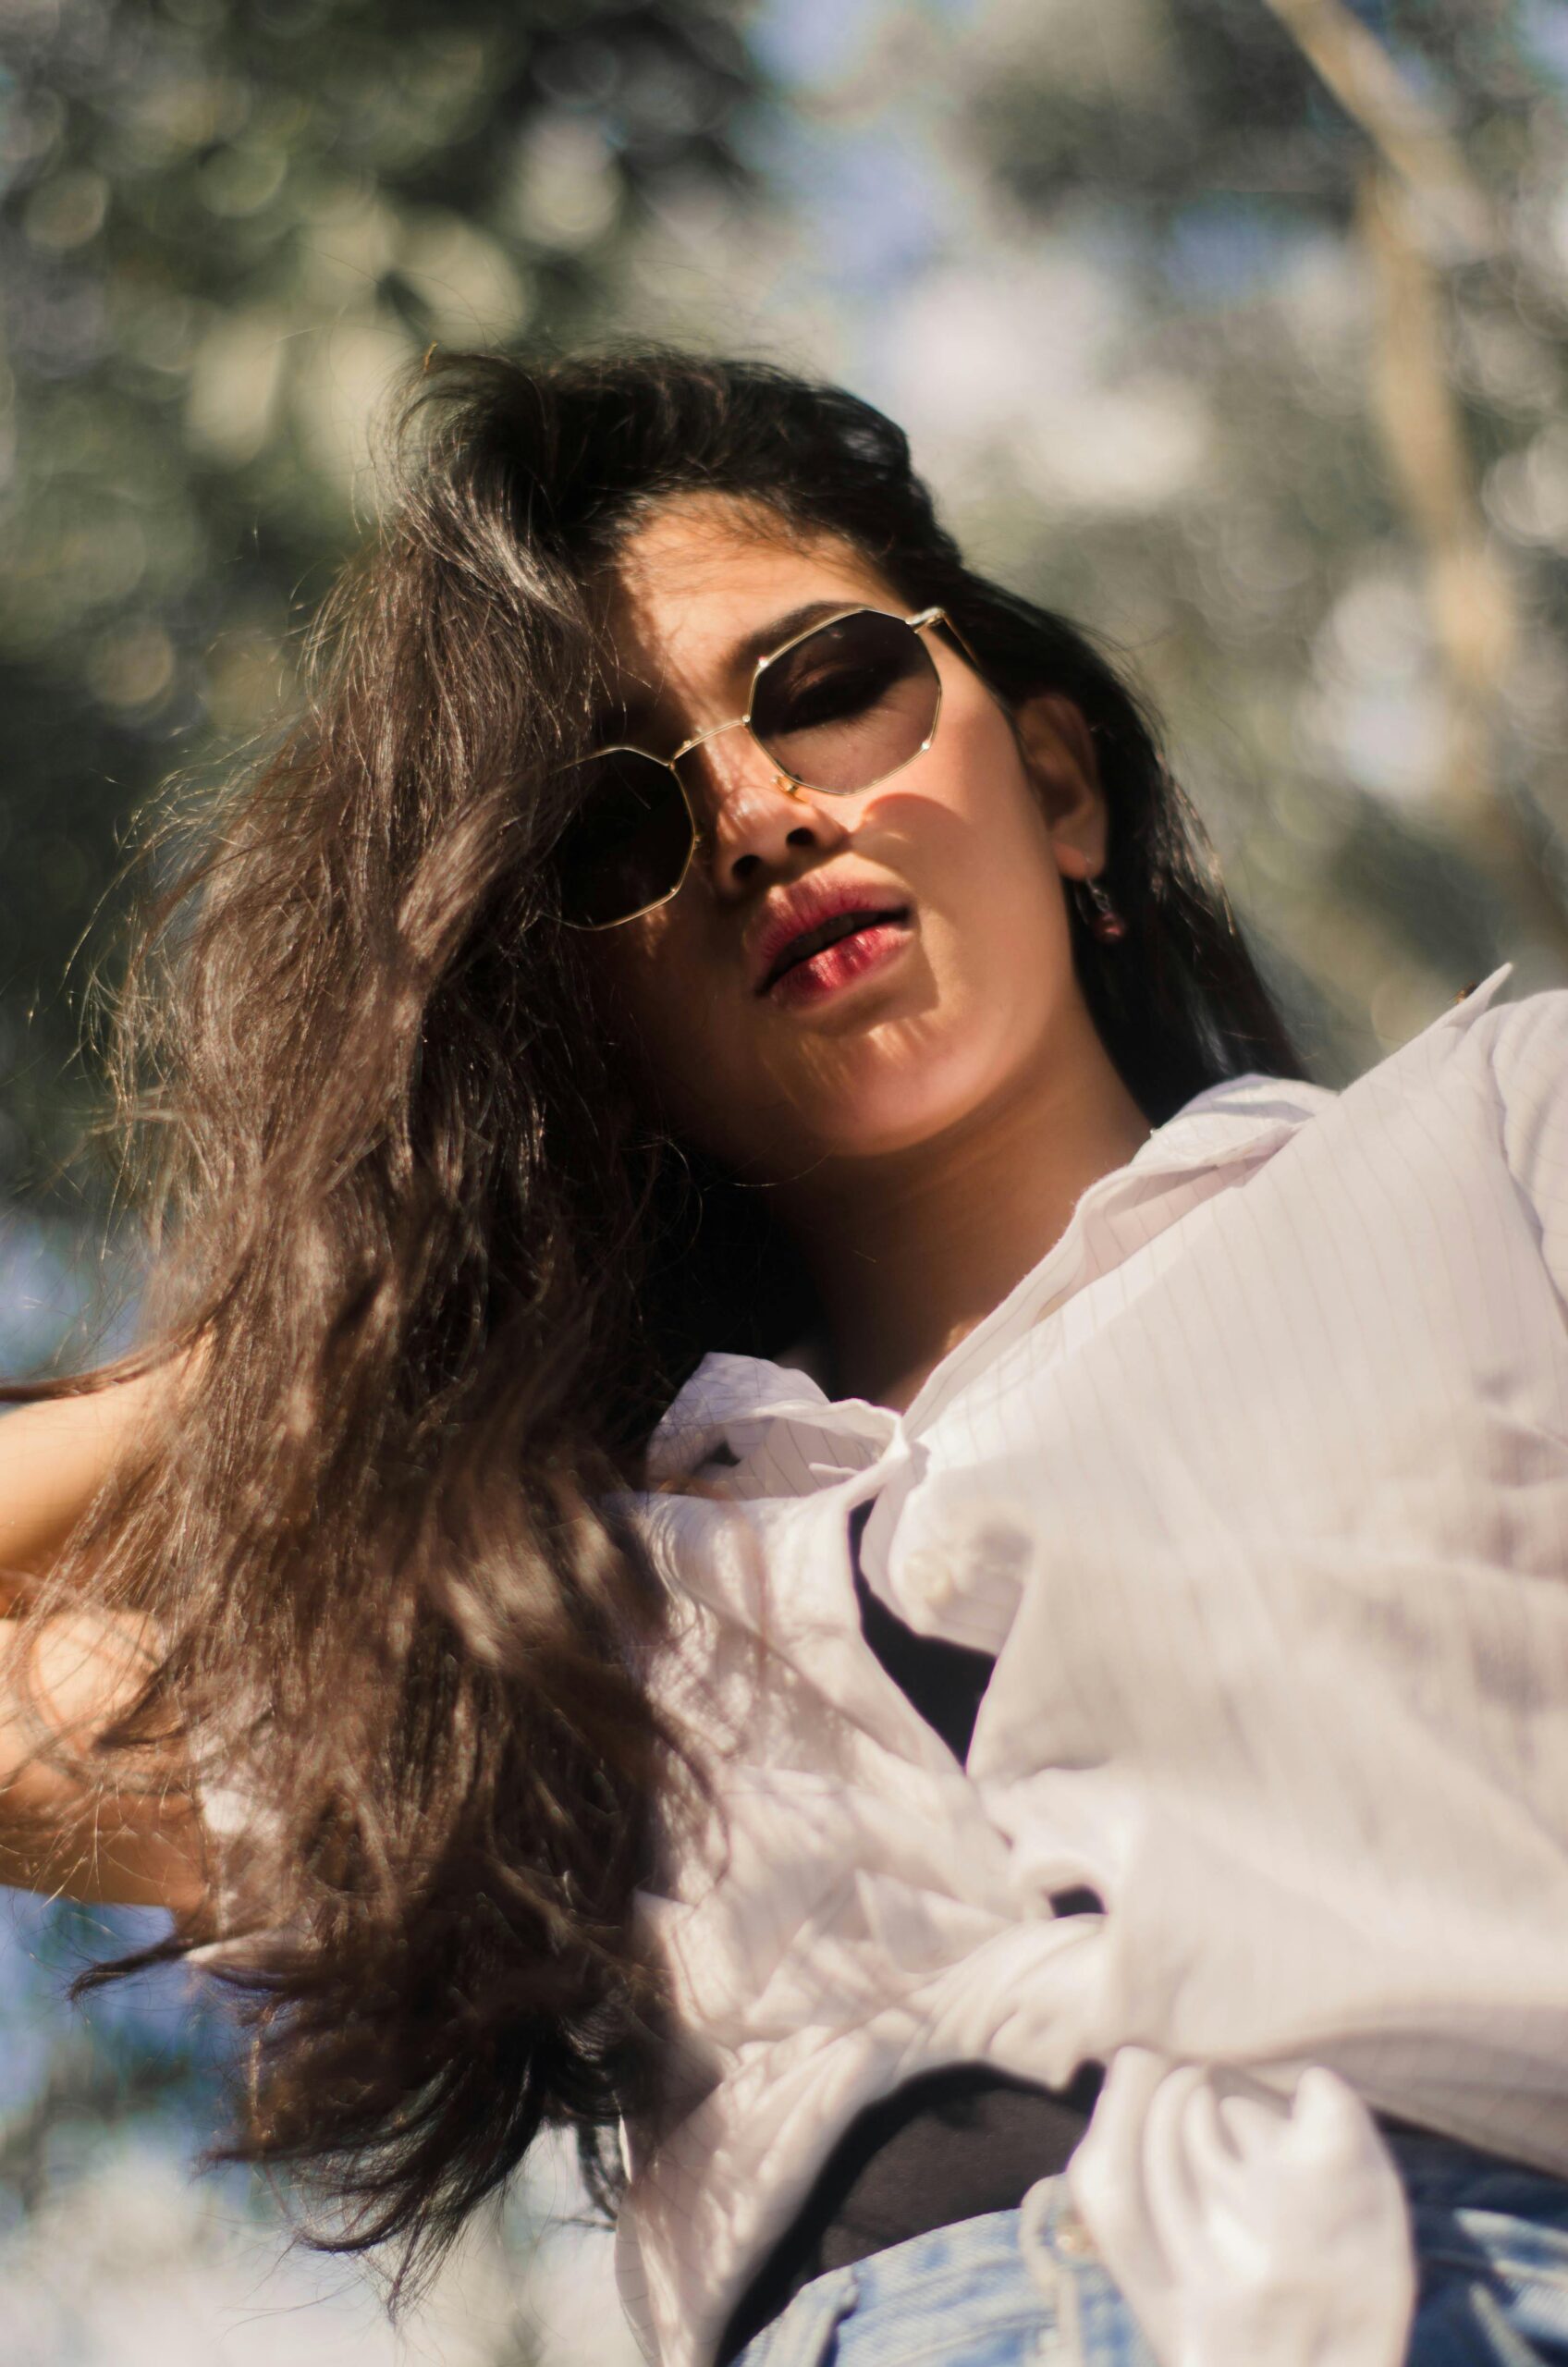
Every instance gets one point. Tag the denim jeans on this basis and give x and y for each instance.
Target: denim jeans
(1024, 2289)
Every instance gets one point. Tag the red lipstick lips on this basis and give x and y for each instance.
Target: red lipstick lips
(809, 920)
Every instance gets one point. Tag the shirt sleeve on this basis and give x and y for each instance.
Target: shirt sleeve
(1530, 1062)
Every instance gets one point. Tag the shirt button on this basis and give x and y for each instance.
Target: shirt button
(932, 1578)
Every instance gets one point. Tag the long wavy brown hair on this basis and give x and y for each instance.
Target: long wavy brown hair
(439, 1275)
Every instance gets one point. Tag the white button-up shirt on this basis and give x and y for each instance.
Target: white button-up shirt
(1258, 1489)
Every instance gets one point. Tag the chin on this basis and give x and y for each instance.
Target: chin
(871, 1097)
(907, 1113)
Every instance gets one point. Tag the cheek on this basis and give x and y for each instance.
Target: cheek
(994, 965)
(997, 985)
(981, 861)
(682, 1031)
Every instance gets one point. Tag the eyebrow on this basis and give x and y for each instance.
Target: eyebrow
(631, 714)
(767, 637)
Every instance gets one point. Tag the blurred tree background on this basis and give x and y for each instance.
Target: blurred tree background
(224, 227)
(1238, 328)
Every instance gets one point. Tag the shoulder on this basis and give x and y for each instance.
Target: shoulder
(1526, 1044)
(1507, 1062)
(1488, 1073)
(1513, 1052)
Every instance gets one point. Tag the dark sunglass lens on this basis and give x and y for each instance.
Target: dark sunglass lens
(626, 841)
(851, 703)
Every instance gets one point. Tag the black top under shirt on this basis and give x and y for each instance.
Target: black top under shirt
(955, 2142)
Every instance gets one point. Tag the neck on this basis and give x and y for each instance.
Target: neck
(911, 1250)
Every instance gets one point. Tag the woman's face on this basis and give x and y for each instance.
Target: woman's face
(961, 994)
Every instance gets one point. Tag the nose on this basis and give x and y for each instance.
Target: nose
(755, 821)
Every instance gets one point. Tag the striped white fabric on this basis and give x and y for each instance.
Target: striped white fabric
(1257, 1487)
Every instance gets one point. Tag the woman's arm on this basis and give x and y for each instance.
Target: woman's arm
(54, 1458)
(64, 1678)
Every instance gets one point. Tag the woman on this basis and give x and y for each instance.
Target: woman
(791, 1489)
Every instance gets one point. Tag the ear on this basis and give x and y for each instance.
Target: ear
(1058, 748)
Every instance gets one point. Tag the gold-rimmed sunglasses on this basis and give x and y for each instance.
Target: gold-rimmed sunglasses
(837, 708)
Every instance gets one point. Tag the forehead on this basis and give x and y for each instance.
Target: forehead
(708, 583)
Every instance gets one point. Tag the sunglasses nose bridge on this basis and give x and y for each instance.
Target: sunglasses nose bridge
(718, 792)
(714, 731)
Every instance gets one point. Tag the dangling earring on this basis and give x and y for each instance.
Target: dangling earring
(1099, 913)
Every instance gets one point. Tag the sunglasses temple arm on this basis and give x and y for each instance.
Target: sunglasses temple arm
(945, 624)
(961, 638)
